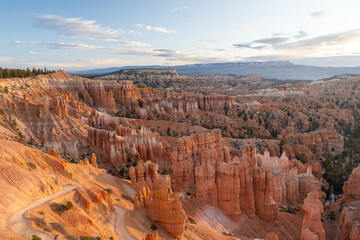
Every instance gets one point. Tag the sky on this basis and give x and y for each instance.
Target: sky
(87, 34)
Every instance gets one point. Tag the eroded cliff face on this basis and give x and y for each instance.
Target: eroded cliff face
(80, 116)
(146, 175)
(164, 207)
(349, 227)
(349, 222)
(256, 184)
(312, 227)
(351, 187)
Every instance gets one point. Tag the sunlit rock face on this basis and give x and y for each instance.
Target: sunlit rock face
(255, 185)
(349, 227)
(146, 175)
(164, 207)
(312, 227)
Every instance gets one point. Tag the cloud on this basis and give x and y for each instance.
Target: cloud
(155, 29)
(168, 54)
(272, 40)
(135, 44)
(63, 45)
(209, 40)
(316, 14)
(178, 9)
(34, 53)
(18, 42)
(249, 45)
(5, 60)
(301, 34)
(75, 27)
(323, 41)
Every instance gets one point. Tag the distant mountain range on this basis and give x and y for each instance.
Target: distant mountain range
(284, 70)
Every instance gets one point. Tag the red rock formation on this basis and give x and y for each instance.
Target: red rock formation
(228, 186)
(271, 236)
(193, 150)
(305, 184)
(146, 175)
(153, 236)
(93, 160)
(349, 227)
(319, 140)
(349, 222)
(247, 202)
(54, 152)
(265, 205)
(351, 187)
(312, 227)
(206, 189)
(164, 207)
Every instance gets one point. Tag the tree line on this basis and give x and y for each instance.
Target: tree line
(18, 73)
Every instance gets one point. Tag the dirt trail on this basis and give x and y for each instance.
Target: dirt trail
(121, 214)
(22, 225)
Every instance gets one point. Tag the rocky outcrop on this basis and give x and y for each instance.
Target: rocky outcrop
(349, 227)
(265, 205)
(271, 236)
(350, 222)
(116, 144)
(146, 175)
(351, 187)
(255, 185)
(319, 141)
(312, 227)
(306, 181)
(194, 150)
(228, 187)
(164, 207)
(152, 236)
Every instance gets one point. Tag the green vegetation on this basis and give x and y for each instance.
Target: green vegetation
(41, 223)
(31, 165)
(18, 73)
(339, 167)
(58, 208)
(153, 226)
(35, 237)
(85, 238)
(69, 205)
(58, 227)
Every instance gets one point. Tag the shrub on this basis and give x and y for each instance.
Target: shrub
(191, 220)
(40, 222)
(58, 208)
(35, 237)
(32, 165)
(58, 227)
(69, 205)
(109, 190)
(71, 237)
(154, 227)
(332, 216)
(85, 238)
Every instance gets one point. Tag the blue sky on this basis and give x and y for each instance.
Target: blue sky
(78, 34)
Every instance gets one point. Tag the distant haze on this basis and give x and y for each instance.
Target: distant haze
(277, 69)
